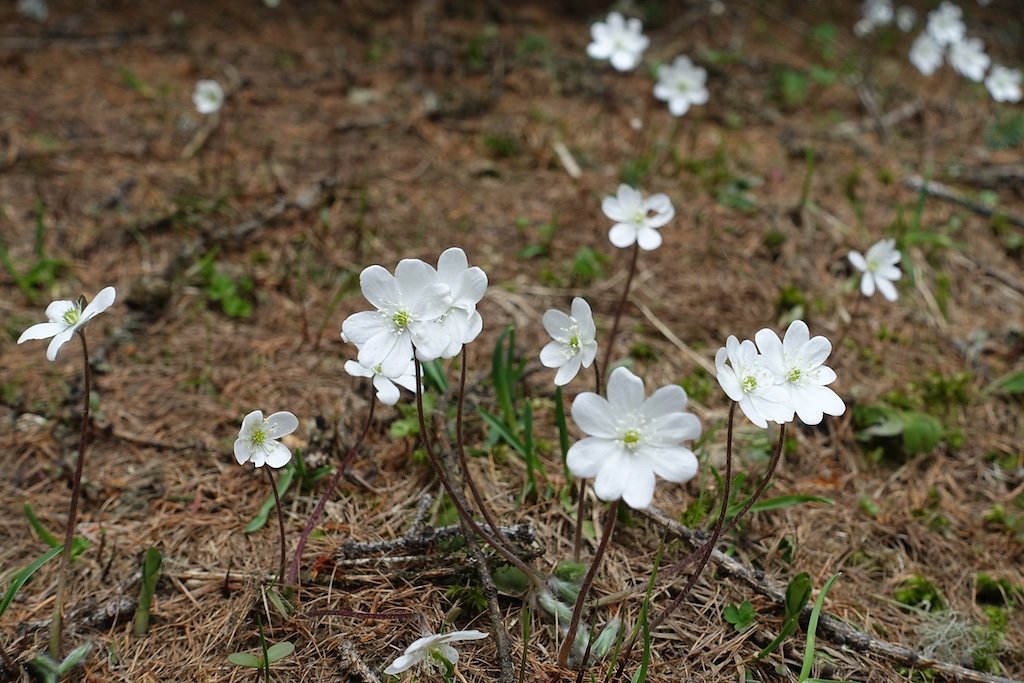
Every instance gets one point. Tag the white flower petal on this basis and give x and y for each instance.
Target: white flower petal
(568, 371)
(557, 324)
(360, 327)
(585, 457)
(356, 370)
(669, 430)
(42, 331)
(281, 424)
(58, 341)
(675, 464)
(553, 354)
(387, 392)
(667, 400)
(242, 451)
(101, 302)
(613, 476)
(455, 636)
(404, 663)
(648, 238)
(594, 415)
(867, 284)
(622, 235)
(639, 489)
(886, 288)
(277, 454)
(625, 392)
(378, 286)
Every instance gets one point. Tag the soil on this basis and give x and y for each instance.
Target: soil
(366, 132)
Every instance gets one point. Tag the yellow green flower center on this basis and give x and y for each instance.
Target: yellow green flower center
(258, 438)
(794, 375)
(574, 342)
(401, 319)
(72, 315)
(631, 438)
(749, 383)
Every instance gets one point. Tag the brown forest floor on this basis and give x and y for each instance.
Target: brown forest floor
(393, 130)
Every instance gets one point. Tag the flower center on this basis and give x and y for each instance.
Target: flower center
(631, 438)
(749, 383)
(72, 315)
(401, 319)
(794, 375)
(258, 438)
(574, 343)
(377, 369)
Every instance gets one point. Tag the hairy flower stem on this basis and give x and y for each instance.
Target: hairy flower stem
(619, 309)
(776, 455)
(588, 580)
(280, 520)
(293, 571)
(56, 624)
(461, 450)
(703, 555)
(457, 500)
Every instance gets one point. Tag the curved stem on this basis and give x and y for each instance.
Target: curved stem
(457, 499)
(620, 308)
(461, 450)
(293, 571)
(588, 580)
(56, 624)
(280, 520)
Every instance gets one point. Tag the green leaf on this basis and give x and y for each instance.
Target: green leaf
(510, 580)
(812, 627)
(150, 575)
(78, 544)
(798, 592)
(1009, 384)
(433, 376)
(740, 616)
(921, 432)
(245, 659)
(279, 651)
(74, 658)
(502, 431)
(260, 520)
(25, 574)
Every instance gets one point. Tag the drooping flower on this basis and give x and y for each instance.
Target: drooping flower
(681, 84)
(879, 268)
(637, 219)
(65, 318)
(926, 54)
(408, 305)
(749, 381)
(387, 392)
(945, 24)
(258, 439)
(968, 57)
(799, 360)
(467, 286)
(618, 40)
(574, 342)
(208, 97)
(1004, 84)
(433, 652)
(632, 439)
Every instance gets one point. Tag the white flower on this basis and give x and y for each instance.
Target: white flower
(1004, 84)
(926, 54)
(387, 392)
(574, 341)
(879, 268)
(799, 360)
(408, 304)
(432, 651)
(33, 9)
(631, 439)
(681, 84)
(257, 439)
(466, 287)
(905, 18)
(65, 318)
(751, 383)
(878, 12)
(618, 40)
(945, 25)
(637, 219)
(208, 97)
(969, 59)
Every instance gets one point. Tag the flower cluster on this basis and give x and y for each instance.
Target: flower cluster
(774, 379)
(878, 268)
(631, 439)
(945, 38)
(420, 309)
(681, 84)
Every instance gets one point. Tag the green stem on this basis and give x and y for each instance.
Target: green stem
(588, 580)
(56, 623)
(619, 309)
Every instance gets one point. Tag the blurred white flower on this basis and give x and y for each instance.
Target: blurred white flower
(945, 24)
(33, 9)
(681, 84)
(637, 219)
(618, 40)
(879, 268)
(408, 305)
(208, 97)
(1004, 84)
(926, 54)
(257, 439)
(432, 652)
(876, 13)
(574, 342)
(64, 318)
(906, 17)
(799, 360)
(746, 379)
(387, 392)
(969, 59)
(466, 286)
(632, 439)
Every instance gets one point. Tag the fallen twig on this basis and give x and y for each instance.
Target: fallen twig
(838, 631)
(942, 191)
(352, 664)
